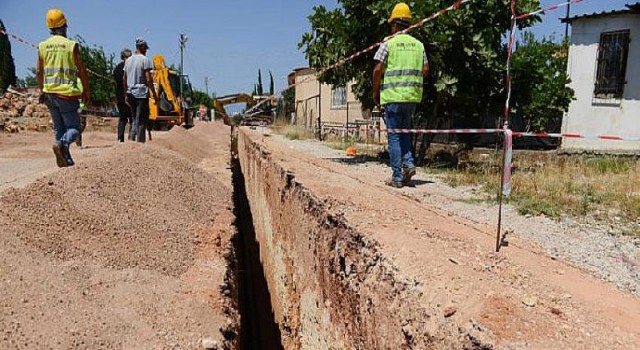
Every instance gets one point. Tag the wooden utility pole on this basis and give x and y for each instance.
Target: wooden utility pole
(566, 23)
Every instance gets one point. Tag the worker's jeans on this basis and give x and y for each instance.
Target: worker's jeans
(398, 116)
(65, 117)
(125, 117)
(140, 111)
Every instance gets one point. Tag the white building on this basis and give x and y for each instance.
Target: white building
(604, 66)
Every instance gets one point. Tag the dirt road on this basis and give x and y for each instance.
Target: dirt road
(519, 298)
(126, 250)
(123, 251)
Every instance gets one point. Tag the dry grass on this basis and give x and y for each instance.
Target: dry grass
(342, 143)
(607, 188)
(293, 132)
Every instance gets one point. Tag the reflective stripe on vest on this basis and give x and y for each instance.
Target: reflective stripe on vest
(403, 71)
(54, 71)
(59, 67)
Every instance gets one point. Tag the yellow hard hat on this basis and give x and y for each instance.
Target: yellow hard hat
(55, 18)
(400, 11)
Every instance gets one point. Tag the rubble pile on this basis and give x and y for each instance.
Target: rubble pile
(19, 112)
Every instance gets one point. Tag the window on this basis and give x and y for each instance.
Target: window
(338, 97)
(612, 64)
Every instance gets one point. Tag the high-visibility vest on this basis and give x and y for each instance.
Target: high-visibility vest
(59, 71)
(402, 80)
(81, 88)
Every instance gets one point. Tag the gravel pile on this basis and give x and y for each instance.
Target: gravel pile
(132, 208)
(121, 251)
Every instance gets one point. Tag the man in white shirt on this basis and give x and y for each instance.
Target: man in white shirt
(138, 82)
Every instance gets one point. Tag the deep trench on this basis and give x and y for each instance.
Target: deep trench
(258, 328)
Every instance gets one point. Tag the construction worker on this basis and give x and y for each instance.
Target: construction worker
(137, 82)
(124, 110)
(59, 66)
(401, 65)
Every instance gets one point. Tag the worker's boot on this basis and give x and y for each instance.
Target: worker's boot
(61, 161)
(79, 140)
(407, 174)
(67, 155)
(393, 183)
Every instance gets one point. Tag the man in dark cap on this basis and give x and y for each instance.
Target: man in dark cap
(123, 109)
(138, 82)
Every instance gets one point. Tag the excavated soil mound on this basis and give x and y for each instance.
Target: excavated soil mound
(123, 251)
(128, 210)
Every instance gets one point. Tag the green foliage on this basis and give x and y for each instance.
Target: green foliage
(101, 84)
(201, 98)
(611, 165)
(259, 89)
(540, 91)
(533, 205)
(7, 67)
(271, 85)
(286, 103)
(466, 51)
(28, 81)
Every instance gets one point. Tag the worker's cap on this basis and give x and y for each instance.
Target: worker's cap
(140, 42)
(125, 53)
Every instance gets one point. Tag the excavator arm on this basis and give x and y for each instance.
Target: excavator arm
(220, 102)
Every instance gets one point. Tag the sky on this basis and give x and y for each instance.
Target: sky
(228, 40)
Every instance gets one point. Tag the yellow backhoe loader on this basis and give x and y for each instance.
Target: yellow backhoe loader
(170, 109)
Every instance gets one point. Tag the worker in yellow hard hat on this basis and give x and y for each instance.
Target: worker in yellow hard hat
(59, 67)
(401, 67)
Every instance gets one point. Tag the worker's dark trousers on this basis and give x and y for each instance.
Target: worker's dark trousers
(140, 110)
(125, 117)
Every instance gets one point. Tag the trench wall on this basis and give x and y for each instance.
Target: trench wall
(330, 287)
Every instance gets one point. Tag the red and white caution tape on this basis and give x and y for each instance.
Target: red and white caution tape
(456, 5)
(28, 43)
(512, 38)
(508, 157)
(514, 133)
(443, 131)
(551, 8)
(575, 136)
(19, 39)
(419, 24)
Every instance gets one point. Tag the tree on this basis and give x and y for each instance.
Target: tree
(271, 86)
(201, 98)
(7, 67)
(466, 51)
(28, 81)
(101, 84)
(286, 103)
(541, 94)
(259, 89)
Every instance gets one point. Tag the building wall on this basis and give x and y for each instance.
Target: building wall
(340, 114)
(592, 116)
(313, 100)
(307, 99)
